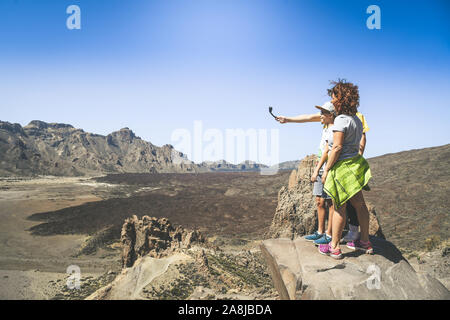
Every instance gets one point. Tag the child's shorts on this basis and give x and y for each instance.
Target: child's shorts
(318, 187)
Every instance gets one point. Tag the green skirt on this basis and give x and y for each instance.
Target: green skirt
(346, 178)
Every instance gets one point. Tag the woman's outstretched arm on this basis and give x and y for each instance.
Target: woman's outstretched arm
(300, 118)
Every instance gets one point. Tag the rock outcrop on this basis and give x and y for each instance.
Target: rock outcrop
(296, 210)
(130, 282)
(296, 213)
(154, 237)
(436, 263)
(300, 272)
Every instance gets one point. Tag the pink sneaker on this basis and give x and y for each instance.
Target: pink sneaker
(328, 251)
(360, 245)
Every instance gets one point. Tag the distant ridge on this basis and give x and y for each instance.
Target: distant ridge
(59, 149)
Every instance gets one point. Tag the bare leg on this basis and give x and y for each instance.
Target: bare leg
(321, 213)
(339, 218)
(363, 214)
(330, 216)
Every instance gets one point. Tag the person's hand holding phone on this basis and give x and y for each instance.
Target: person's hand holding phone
(281, 119)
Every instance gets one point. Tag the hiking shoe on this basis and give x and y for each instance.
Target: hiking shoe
(351, 245)
(323, 240)
(353, 234)
(314, 236)
(360, 245)
(326, 249)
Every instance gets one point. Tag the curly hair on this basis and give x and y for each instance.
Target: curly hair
(347, 97)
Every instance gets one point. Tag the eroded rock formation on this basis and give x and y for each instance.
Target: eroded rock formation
(154, 237)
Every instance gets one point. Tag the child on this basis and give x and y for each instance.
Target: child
(326, 117)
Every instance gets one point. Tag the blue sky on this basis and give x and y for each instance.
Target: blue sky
(157, 66)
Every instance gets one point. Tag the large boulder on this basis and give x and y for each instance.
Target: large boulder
(299, 271)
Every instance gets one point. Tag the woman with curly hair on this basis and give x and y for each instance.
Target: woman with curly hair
(346, 172)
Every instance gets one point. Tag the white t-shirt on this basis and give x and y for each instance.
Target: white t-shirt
(323, 141)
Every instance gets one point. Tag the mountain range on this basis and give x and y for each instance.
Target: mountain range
(58, 149)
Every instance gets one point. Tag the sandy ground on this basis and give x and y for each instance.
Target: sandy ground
(32, 267)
